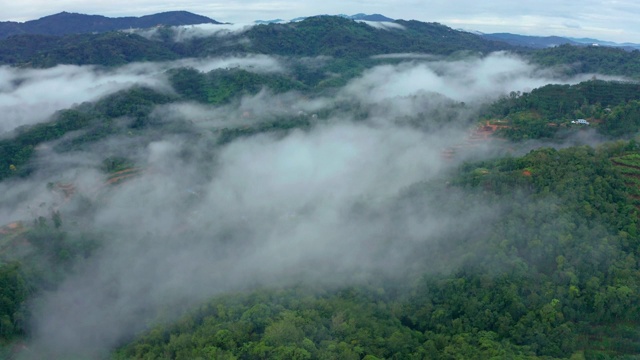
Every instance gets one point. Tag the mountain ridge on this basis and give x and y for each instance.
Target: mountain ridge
(332, 36)
(66, 23)
(541, 42)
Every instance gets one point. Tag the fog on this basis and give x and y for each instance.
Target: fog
(339, 203)
(188, 32)
(468, 80)
(29, 96)
(384, 25)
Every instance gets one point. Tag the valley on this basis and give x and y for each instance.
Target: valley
(328, 188)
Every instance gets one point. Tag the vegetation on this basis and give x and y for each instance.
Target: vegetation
(340, 37)
(547, 112)
(220, 86)
(108, 49)
(97, 121)
(590, 60)
(315, 36)
(525, 290)
(13, 293)
(552, 274)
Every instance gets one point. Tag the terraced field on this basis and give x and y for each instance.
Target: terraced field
(629, 167)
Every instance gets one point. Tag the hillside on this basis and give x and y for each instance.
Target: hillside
(536, 42)
(548, 112)
(522, 291)
(316, 36)
(324, 189)
(591, 59)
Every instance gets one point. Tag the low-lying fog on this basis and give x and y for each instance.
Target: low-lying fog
(330, 205)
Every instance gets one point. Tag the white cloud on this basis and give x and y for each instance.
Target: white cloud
(326, 204)
(183, 33)
(29, 96)
(384, 25)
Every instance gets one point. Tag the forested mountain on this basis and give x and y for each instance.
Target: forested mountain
(536, 42)
(591, 59)
(548, 111)
(316, 36)
(336, 36)
(108, 49)
(323, 189)
(371, 17)
(541, 42)
(71, 23)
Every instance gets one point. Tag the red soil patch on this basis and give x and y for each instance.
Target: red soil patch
(481, 133)
(11, 228)
(122, 175)
(485, 131)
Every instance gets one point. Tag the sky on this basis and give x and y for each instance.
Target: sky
(611, 20)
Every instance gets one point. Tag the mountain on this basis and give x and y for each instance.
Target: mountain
(536, 42)
(339, 36)
(65, 23)
(110, 49)
(315, 36)
(372, 17)
(541, 42)
(288, 192)
(590, 41)
(359, 16)
(265, 22)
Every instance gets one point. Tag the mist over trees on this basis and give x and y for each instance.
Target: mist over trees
(317, 190)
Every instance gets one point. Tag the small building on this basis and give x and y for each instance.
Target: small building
(580, 121)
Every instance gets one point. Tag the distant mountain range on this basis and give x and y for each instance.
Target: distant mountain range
(372, 17)
(359, 16)
(65, 23)
(332, 36)
(541, 42)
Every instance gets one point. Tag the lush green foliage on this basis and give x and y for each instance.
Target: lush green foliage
(554, 274)
(109, 49)
(590, 59)
(220, 86)
(300, 324)
(96, 120)
(547, 111)
(557, 268)
(48, 252)
(316, 36)
(339, 37)
(16, 152)
(623, 119)
(13, 293)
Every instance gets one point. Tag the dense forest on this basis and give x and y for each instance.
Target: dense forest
(566, 289)
(315, 36)
(269, 211)
(547, 112)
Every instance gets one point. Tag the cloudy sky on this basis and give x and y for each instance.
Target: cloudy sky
(613, 20)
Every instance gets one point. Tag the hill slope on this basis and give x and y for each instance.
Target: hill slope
(536, 42)
(323, 35)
